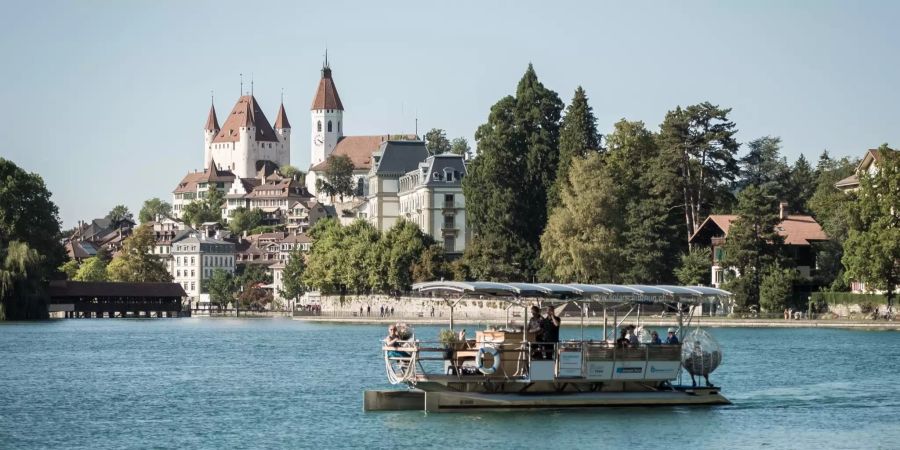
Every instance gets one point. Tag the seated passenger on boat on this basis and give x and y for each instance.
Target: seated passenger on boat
(633, 336)
(671, 339)
(393, 340)
(654, 338)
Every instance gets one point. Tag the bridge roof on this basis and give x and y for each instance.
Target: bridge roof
(60, 290)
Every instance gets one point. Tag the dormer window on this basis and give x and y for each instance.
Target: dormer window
(436, 176)
(448, 175)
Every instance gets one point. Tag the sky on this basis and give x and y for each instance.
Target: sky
(107, 100)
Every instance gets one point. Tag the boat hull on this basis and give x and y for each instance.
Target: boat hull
(448, 401)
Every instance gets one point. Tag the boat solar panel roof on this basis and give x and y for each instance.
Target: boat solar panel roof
(596, 292)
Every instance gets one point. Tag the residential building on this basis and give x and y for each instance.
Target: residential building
(99, 234)
(196, 185)
(195, 257)
(393, 160)
(800, 232)
(868, 165)
(431, 196)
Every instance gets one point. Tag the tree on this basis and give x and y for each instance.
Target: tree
(289, 171)
(765, 168)
(431, 265)
(404, 243)
(119, 213)
(70, 268)
(460, 146)
(30, 249)
(832, 210)
(325, 264)
(436, 142)
(92, 269)
(207, 209)
(253, 274)
(777, 287)
(507, 182)
(136, 263)
(153, 209)
(698, 151)
(872, 249)
(694, 269)
(243, 219)
(220, 285)
(802, 186)
(292, 276)
(583, 241)
(577, 137)
(753, 243)
(338, 179)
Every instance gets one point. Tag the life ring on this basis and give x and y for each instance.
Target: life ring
(479, 360)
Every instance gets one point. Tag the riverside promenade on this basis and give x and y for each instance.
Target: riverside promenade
(712, 322)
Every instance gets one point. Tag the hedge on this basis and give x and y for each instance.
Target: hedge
(847, 298)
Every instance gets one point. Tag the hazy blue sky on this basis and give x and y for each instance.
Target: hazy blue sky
(107, 100)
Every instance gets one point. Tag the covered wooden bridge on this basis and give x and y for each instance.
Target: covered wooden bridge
(81, 299)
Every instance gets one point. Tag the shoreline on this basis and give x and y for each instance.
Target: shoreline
(654, 322)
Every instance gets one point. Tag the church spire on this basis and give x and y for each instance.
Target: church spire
(281, 120)
(326, 95)
(212, 122)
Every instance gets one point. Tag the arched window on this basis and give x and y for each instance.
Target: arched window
(339, 126)
(329, 126)
(319, 126)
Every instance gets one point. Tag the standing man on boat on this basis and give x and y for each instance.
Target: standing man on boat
(550, 325)
(536, 329)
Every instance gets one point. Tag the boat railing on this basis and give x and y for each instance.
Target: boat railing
(591, 360)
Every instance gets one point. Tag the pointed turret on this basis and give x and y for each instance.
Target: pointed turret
(212, 122)
(281, 120)
(327, 95)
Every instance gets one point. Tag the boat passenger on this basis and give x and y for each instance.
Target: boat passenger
(671, 339)
(393, 340)
(550, 326)
(623, 341)
(632, 336)
(654, 338)
(535, 328)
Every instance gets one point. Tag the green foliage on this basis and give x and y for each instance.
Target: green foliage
(697, 160)
(777, 288)
(460, 146)
(508, 182)
(292, 276)
(432, 265)
(119, 213)
(154, 208)
(136, 263)
(405, 243)
(436, 142)
(221, 286)
(251, 274)
(92, 269)
(695, 267)
(578, 136)
(207, 209)
(266, 229)
(289, 171)
(338, 181)
(447, 337)
(243, 219)
(765, 168)
(802, 186)
(872, 250)
(832, 209)
(70, 268)
(30, 249)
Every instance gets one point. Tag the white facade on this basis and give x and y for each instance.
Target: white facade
(327, 128)
(196, 257)
(432, 198)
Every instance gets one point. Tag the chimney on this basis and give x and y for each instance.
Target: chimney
(783, 210)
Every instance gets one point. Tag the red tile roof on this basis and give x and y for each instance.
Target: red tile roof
(358, 148)
(246, 113)
(211, 175)
(326, 94)
(796, 230)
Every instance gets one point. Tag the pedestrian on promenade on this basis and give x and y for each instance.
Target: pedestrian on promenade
(368, 310)
(392, 311)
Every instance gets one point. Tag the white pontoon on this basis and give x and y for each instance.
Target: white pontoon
(506, 368)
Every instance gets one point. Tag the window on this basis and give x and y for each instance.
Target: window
(449, 244)
(193, 274)
(339, 126)
(192, 261)
(720, 253)
(329, 126)
(319, 126)
(448, 175)
(718, 276)
(193, 285)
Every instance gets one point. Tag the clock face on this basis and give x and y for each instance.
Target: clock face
(319, 140)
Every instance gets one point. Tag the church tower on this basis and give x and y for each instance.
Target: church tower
(327, 115)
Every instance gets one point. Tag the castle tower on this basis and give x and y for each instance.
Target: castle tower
(247, 140)
(327, 114)
(283, 130)
(209, 133)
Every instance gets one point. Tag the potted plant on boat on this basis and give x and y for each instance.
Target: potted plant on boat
(450, 341)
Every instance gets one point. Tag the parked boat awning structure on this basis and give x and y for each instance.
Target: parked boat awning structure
(589, 293)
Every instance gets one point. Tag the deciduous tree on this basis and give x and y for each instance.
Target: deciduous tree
(119, 213)
(292, 276)
(436, 142)
(92, 269)
(460, 146)
(338, 181)
(136, 262)
(154, 208)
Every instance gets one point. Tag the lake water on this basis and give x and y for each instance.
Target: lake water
(213, 383)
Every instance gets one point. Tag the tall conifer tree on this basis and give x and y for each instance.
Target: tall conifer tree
(577, 137)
